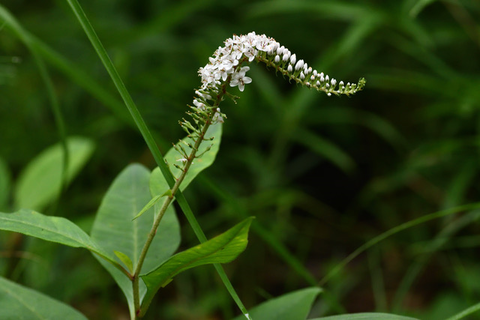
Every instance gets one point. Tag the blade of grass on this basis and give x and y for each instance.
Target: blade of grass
(326, 149)
(431, 247)
(266, 236)
(87, 27)
(378, 285)
(393, 231)
(82, 79)
(68, 68)
(18, 30)
(466, 312)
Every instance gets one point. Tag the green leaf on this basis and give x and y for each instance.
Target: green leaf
(54, 229)
(292, 306)
(114, 229)
(5, 180)
(366, 316)
(41, 181)
(18, 302)
(125, 259)
(158, 185)
(151, 203)
(221, 249)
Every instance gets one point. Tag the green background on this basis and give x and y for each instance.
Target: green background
(322, 174)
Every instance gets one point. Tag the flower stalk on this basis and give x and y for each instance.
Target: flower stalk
(198, 135)
(226, 68)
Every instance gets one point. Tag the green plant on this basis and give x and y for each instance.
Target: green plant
(143, 250)
(322, 176)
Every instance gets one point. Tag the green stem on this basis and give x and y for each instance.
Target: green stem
(82, 18)
(163, 209)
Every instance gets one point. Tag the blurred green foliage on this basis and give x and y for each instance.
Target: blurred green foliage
(321, 174)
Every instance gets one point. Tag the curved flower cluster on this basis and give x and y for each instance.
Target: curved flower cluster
(226, 61)
(226, 68)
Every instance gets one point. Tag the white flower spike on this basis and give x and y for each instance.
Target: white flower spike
(226, 68)
(227, 61)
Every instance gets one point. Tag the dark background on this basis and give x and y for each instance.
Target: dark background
(322, 174)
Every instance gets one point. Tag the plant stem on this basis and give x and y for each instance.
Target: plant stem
(157, 155)
(163, 209)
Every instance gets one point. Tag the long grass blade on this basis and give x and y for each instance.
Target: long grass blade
(17, 29)
(98, 46)
(393, 231)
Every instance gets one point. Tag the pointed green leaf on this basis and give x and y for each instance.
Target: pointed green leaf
(125, 259)
(18, 302)
(366, 316)
(292, 306)
(221, 249)
(151, 203)
(158, 185)
(114, 229)
(41, 181)
(54, 229)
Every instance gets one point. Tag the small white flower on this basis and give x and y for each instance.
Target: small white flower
(198, 104)
(299, 65)
(225, 65)
(293, 59)
(240, 80)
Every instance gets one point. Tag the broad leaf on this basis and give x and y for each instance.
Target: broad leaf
(18, 302)
(292, 306)
(4, 184)
(221, 249)
(115, 230)
(54, 229)
(159, 186)
(366, 316)
(41, 181)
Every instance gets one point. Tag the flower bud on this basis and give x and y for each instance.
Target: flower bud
(299, 65)
(293, 59)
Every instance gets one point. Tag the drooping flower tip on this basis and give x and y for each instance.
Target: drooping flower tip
(225, 68)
